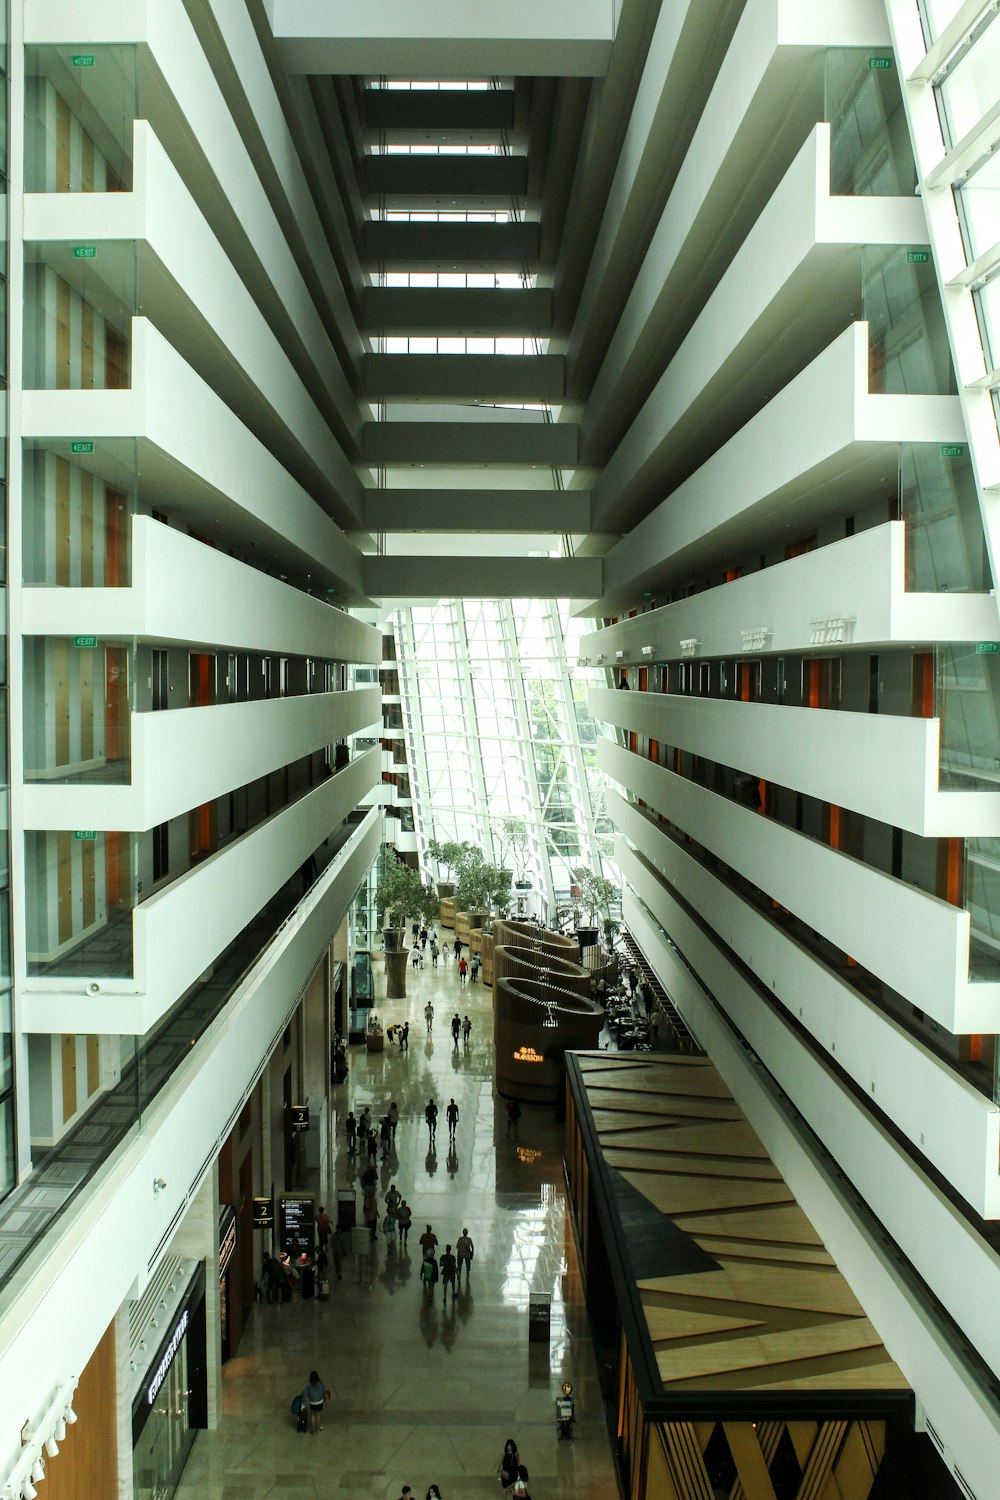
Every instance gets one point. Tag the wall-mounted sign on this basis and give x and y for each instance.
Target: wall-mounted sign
(952, 450)
(83, 59)
(299, 1115)
(263, 1213)
(528, 1055)
(84, 834)
(987, 648)
(82, 445)
(153, 1389)
(917, 257)
(298, 1223)
(84, 252)
(227, 1236)
(880, 64)
(85, 640)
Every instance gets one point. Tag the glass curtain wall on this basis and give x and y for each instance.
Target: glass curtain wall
(7, 1115)
(498, 726)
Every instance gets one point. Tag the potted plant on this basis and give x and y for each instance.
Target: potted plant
(596, 894)
(483, 889)
(399, 893)
(511, 835)
(449, 853)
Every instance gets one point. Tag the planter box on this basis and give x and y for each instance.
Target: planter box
(374, 1043)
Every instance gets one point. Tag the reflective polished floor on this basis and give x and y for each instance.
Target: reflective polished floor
(425, 1392)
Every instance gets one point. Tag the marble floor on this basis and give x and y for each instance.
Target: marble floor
(422, 1392)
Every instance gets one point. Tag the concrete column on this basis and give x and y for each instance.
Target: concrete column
(198, 1239)
(123, 1401)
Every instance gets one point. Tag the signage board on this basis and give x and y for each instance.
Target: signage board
(917, 257)
(84, 834)
(83, 59)
(880, 64)
(263, 1213)
(528, 1055)
(298, 1223)
(160, 1373)
(952, 450)
(299, 1114)
(85, 640)
(987, 648)
(82, 445)
(227, 1236)
(84, 252)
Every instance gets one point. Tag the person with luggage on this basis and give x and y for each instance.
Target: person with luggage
(314, 1399)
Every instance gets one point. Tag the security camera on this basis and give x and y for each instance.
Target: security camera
(93, 988)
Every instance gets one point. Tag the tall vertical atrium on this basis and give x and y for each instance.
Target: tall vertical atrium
(639, 361)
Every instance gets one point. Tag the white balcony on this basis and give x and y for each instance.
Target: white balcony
(184, 591)
(817, 450)
(916, 943)
(860, 581)
(185, 283)
(183, 1130)
(197, 458)
(882, 765)
(178, 931)
(184, 757)
(951, 1123)
(799, 265)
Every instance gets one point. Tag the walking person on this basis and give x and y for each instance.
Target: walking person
(428, 1241)
(463, 970)
(451, 1115)
(393, 1119)
(466, 1031)
(351, 1131)
(364, 1124)
(513, 1116)
(372, 1145)
(389, 1230)
(429, 1275)
(429, 1017)
(323, 1226)
(434, 954)
(404, 1218)
(313, 1398)
(404, 1040)
(520, 1486)
(423, 937)
(449, 1273)
(431, 1116)
(385, 1136)
(371, 1217)
(433, 1493)
(465, 1250)
(457, 950)
(456, 1026)
(393, 1198)
(476, 965)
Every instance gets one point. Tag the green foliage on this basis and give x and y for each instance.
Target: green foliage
(596, 894)
(400, 892)
(448, 852)
(510, 835)
(482, 887)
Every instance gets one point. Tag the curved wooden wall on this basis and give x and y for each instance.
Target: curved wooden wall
(529, 1049)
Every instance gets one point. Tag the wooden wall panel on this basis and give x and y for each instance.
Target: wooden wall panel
(86, 1465)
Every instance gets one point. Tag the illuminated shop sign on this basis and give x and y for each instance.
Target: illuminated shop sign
(528, 1055)
(227, 1238)
(168, 1358)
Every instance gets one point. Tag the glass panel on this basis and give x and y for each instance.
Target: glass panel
(80, 106)
(945, 544)
(970, 89)
(79, 301)
(979, 201)
(935, 15)
(870, 148)
(987, 301)
(77, 710)
(968, 684)
(982, 886)
(908, 341)
(77, 514)
(81, 889)
(7, 1161)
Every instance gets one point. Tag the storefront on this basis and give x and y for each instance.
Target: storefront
(171, 1402)
(227, 1244)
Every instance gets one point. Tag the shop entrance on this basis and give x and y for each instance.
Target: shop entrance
(166, 1439)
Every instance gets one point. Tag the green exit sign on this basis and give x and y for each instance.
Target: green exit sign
(83, 445)
(85, 640)
(83, 59)
(987, 648)
(880, 64)
(952, 450)
(917, 257)
(80, 834)
(89, 252)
